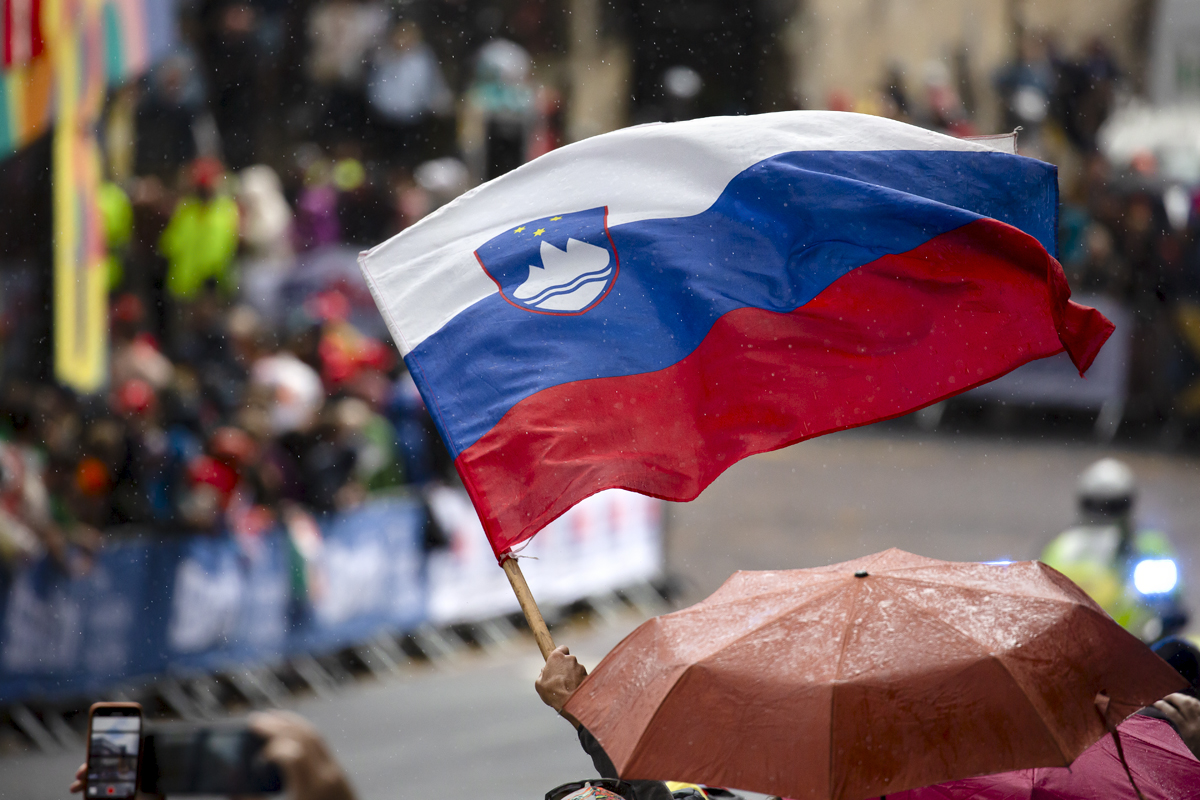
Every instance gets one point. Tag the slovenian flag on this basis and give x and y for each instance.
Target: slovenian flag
(644, 308)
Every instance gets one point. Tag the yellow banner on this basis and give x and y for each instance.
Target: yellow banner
(72, 31)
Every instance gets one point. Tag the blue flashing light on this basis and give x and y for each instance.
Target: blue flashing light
(1155, 576)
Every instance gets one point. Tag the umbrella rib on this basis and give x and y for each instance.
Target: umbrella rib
(943, 585)
(1085, 607)
(992, 656)
(708, 602)
(837, 675)
(768, 621)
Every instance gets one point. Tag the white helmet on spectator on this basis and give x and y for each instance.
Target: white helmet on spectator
(1107, 487)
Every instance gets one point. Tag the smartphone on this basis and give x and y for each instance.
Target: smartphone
(221, 760)
(114, 750)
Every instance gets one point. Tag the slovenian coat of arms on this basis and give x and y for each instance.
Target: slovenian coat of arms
(564, 264)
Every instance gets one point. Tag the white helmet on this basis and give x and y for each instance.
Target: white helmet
(1107, 487)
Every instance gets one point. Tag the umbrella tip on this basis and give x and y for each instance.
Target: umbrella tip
(862, 573)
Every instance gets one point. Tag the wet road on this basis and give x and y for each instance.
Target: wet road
(963, 498)
(476, 729)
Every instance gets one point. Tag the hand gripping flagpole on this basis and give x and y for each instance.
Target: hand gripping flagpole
(529, 607)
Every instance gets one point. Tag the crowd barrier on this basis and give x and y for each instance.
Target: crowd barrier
(154, 606)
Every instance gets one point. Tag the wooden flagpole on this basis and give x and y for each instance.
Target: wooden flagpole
(533, 614)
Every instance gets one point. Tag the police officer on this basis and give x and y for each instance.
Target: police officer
(1132, 574)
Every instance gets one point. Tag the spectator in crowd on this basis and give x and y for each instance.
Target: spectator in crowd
(1180, 709)
(116, 217)
(135, 354)
(36, 425)
(498, 110)
(142, 479)
(202, 237)
(1100, 270)
(405, 90)
(167, 117)
(233, 57)
(1028, 87)
(26, 530)
(342, 33)
(317, 207)
(266, 217)
(1086, 89)
(946, 109)
(1183, 711)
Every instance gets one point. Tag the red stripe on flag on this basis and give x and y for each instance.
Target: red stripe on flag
(890, 337)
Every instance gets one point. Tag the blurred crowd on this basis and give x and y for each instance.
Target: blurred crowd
(226, 425)
(1128, 231)
(252, 383)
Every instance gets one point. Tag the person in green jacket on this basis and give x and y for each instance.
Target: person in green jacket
(116, 217)
(201, 239)
(1131, 572)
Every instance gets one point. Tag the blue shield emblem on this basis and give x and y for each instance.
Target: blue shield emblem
(561, 265)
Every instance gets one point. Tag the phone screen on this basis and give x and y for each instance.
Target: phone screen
(114, 744)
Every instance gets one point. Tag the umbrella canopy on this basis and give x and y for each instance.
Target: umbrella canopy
(1160, 763)
(885, 673)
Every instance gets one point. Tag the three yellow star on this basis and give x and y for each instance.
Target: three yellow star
(518, 230)
(555, 219)
(539, 231)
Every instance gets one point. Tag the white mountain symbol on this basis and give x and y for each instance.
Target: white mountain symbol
(568, 280)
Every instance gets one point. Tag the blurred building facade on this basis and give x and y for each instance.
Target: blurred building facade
(776, 54)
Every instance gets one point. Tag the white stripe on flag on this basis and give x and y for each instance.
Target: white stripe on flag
(425, 275)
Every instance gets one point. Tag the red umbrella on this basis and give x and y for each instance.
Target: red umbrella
(881, 674)
(1161, 765)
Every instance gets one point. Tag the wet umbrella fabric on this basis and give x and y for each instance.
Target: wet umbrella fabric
(885, 673)
(1161, 765)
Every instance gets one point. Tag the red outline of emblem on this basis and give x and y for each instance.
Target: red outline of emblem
(612, 281)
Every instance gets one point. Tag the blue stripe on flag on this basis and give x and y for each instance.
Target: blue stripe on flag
(780, 233)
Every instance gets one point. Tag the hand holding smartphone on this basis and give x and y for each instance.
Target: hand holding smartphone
(258, 756)
(114, 751)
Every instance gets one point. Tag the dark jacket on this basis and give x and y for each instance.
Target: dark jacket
(646, 790)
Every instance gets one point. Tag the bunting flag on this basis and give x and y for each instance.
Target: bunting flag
(22, 32)
(58, 59)
(27, 71)
(26, 75)
(126, 39)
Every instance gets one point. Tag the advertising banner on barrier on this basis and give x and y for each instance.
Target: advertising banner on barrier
(365, 577)
(609, 541)
(228, 605)
(72, 634)
(315, 587)
(202, 603)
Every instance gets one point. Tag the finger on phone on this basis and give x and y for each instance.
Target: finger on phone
(77, 784)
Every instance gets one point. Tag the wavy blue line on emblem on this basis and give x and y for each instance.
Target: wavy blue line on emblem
(567, 288)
